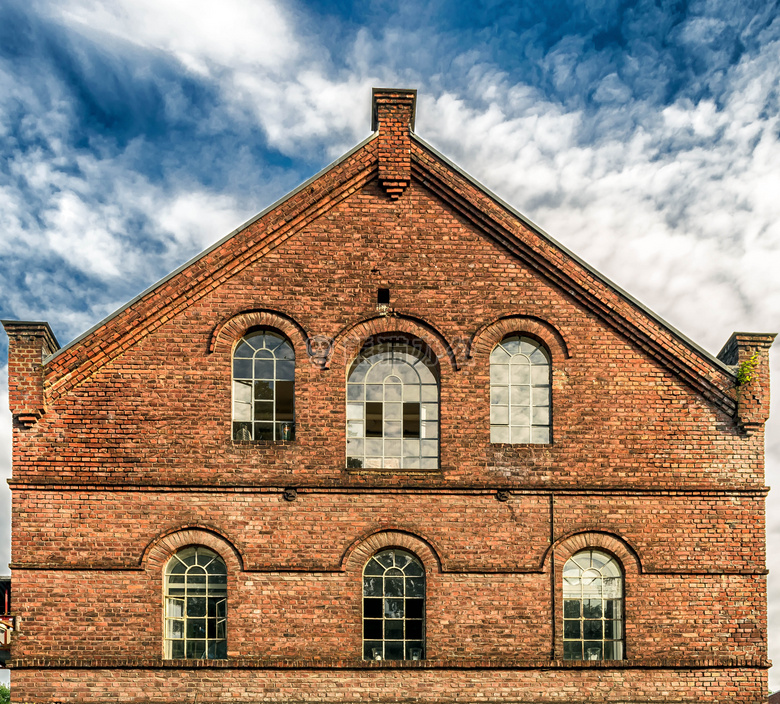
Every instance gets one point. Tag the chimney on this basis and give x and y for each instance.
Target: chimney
(748, 353)
(28, 344)
(393, 116)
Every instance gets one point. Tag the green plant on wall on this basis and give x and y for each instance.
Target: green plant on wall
(5, 694)
(747, 370)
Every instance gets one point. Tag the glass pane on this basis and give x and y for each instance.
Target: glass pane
(285, 370)
(244, 350)
(196, 628)
(429, 393)
(242, 368)
(414, 629)
(242, 432)
(196, 649)
(591, 608)
(541, 415)
(354, 430)
(264, 410)
(196, 606)
(372, 586)
(540, 375)
(415, 586)
(372, 629)
(393, 429)
(372, 608)
(394, 586)
(414, 568)
(540, 435)
(354, 411)
(374, 567)
(372, 647)
(571, 629)
(386, 558)
(264, 391)
(242, 391)
(177, 649)
(284, 400)
(499, 354)
(175, 629)
(393, 392)
(394, 650)
(499, 374)
(499, 415)
(511, 344)
(412, 394)
(373, 420)
(520, 373)
(521, 435)
(520, 415)
(374, 392)
(411, 420)
(264, 368)
(392, 448)
(499, 395)
(394, 608)
(592, 629)
(414, 608)
(499, 434)
(571, 608)
(264, 431)
(174, 608)
(572, 650)
(592, 650)
(394, 629)
(354, 392)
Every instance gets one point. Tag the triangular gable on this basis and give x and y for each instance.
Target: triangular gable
(81, 358)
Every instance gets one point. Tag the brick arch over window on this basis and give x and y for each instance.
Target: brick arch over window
(595, 539)
(231, 330)
(350, 340)
(357, 554)
(490, 334)
(630, 566)
(163, 546)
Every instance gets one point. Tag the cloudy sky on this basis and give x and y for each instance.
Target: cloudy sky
(642, 134)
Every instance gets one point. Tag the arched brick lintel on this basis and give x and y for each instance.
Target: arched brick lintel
(232, 329)
(490, 334)
(357, 554)
(614, 544)
(349, 341)
(163, 546)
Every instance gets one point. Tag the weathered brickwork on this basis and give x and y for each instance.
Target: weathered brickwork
(123, 454)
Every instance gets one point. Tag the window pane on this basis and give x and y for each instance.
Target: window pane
(284, 400)
(373, 420)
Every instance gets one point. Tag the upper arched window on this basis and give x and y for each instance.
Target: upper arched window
(393, 408)
(592, 607)
(196, 605)
(519, 391)
(263, 387)
(393, 607)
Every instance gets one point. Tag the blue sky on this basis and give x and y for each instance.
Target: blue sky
(642, 135)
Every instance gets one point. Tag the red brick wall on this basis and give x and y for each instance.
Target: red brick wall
(139, 428)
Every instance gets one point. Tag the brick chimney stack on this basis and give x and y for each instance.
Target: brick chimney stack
(393, 115)
(29, 343)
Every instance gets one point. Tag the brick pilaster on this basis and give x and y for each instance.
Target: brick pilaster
(28, 344)
(748, 352)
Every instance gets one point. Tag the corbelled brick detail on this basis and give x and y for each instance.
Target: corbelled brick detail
(749, 354)
(393, 116)
(29, 343)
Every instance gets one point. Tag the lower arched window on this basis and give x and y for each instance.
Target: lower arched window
(195, 605)
(393, 607)
(592, 607)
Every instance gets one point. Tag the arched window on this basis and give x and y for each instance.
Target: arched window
(393, 408)
(592, 607)
(195, 605)
(263, 387)
(519, 391)
(393, 607)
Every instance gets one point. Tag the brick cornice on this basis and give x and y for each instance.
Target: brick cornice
(708, 663)
(572, 277)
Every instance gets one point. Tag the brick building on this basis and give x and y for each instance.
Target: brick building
(387, 442)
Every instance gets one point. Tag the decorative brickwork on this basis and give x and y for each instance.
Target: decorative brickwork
(123, 454)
